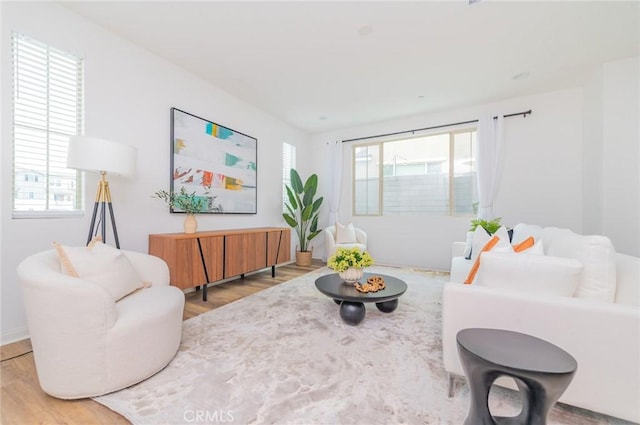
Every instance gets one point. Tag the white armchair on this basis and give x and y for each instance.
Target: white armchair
(86, 344)
(331, 245)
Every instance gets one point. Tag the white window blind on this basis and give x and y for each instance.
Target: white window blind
(47, 109)
(288, 162)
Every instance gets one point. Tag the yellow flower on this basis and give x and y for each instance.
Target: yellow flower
(345, 258)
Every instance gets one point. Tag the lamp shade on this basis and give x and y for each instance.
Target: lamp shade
(93, 154)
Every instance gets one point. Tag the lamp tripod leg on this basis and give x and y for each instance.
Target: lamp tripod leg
(93, 221)
(113, 225)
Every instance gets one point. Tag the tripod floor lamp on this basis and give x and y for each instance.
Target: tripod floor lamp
(101, 156)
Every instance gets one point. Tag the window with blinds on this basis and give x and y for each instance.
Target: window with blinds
(288, 162)
(426, 175)
(47, 109)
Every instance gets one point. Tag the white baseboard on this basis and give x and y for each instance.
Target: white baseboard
(14, 335)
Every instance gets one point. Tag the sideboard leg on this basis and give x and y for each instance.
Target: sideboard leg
(273, 271)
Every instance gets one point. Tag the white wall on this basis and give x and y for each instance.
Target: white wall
(128, 96)
(621, 154)
(541, 181)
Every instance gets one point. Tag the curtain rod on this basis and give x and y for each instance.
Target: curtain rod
(524, 114)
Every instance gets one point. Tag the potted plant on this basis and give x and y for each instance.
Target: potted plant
(491, 226)
(349, 263)
(303, 213)
(190, 203)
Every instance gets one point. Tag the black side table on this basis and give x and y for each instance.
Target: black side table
(541, 370)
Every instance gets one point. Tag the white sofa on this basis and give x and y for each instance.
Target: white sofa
(85, 343)
(602, 335)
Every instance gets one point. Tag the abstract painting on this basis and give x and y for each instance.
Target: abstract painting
(214, 162)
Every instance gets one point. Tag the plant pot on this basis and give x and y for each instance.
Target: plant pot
(303, 258)
(351, 275)
(190, 223)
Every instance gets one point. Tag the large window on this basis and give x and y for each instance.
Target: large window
(288, 162)
(47, 109)
(426, 175)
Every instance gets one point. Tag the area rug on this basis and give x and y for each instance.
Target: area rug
(284, 356)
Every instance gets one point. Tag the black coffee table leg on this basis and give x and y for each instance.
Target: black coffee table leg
(352, 313)
(387, 306)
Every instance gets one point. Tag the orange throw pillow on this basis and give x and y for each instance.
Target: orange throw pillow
(487, 247)
(525, 244)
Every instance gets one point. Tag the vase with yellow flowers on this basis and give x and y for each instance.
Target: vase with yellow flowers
(350, 263)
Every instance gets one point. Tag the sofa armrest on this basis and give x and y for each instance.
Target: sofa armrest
(601, 336)
(361, 236)
(150, 268)
(457, 249)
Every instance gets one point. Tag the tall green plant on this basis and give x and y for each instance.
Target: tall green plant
(303, 209)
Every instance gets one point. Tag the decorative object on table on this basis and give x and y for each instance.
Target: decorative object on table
(215, 162)
(189, 203)
(349, 263)
(102, 156)
(303, 213)
(373, 284)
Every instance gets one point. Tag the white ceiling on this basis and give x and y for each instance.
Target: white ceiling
(327, 65)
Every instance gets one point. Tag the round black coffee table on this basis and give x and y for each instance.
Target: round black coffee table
(352, 301)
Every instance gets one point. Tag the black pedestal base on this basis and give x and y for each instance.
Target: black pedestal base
(352, 313)
(387, 306)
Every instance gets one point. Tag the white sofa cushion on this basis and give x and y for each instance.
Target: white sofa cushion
(522, 231)
(481, 238)
(100, 264)
(597, 255)
(345, 233)
(530, 273)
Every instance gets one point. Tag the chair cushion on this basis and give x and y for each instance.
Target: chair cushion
(345, 233)
(102, 265)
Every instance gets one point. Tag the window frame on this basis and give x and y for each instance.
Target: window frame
(286, 179)
(380, 143)
(58, 114)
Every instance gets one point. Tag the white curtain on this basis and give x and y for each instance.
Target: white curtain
(490, 146)
(335, 167)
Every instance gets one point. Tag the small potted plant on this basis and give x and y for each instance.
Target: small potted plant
(349, 263)
(189, 203)
(491, 226)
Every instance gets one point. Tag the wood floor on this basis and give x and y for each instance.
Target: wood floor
(22, 402)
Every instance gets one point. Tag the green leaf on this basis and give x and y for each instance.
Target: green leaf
(307, 212)
(317, 203)
(310, 188)
(290, 220)
(296, 182)
(313, 234)
(292, 199)
(314, 223)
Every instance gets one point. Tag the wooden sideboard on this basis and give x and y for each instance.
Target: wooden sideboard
(196, 259)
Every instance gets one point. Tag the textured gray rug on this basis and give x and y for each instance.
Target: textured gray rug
(284, 356)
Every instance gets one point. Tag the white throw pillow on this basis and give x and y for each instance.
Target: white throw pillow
(481, 237)
(597, 255)
(522, 231)
(530, 273)
(345, 233)
(102, 265)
